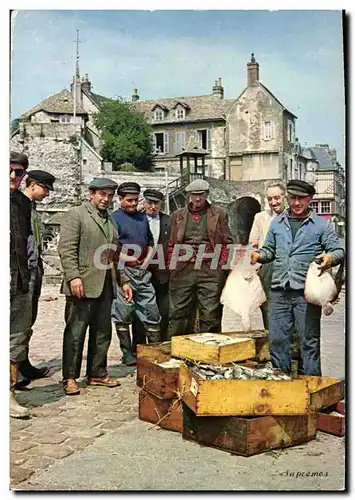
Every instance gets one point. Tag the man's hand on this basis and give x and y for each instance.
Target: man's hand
(326, 261)
(254, 257)
(127, 292)
(76, 287)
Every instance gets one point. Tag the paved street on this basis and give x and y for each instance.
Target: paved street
(96, 442)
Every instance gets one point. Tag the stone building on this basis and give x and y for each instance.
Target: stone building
(246, 142)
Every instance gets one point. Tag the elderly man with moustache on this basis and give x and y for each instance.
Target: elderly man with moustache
(87, 248)
(276, 198)
(295, 238)
(160, 225)
(201, 229)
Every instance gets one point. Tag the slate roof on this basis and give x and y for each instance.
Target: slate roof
(204, 107)
(324, 159)
(60, 103)
(97, 99)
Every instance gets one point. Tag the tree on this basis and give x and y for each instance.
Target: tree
(125, 135)
(15, 124)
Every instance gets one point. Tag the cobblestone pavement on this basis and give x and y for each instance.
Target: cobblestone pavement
(61, 426)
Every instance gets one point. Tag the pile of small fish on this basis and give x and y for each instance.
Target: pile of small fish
(237, 372)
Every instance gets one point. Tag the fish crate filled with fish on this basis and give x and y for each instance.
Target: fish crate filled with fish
(211, 390)
(332, 420)
(159, 378)
(164, 413)
(213, 347)
(236, 389)
(248, 436)
(261, 339)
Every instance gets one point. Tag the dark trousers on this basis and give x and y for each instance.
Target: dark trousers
(288, 310)
(190, 288)
(35, 293)
(81, 313)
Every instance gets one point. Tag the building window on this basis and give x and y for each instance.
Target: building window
(314, 206)
(205, 139)
(180, 113)
(84, 161)
(291, 169)
(325, 207)
(180, 139)
(65, 119)
(158, 115)
(297, 171)
(161, 143)
(290, 132)
(268, 130)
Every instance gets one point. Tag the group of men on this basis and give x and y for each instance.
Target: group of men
(148, 273)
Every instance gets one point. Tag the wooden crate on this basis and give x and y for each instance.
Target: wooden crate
(325, 391)
(159, 380)
(188, 346)
(261, 338)
(249, 435)
(159, 351)
(167, 413)
(332, 424)
(243, 397)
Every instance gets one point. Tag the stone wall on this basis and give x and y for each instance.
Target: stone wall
(61, 159)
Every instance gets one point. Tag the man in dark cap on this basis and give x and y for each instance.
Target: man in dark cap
(87, 249)
(160, 225)
(199, 279)
(38, 185)
(137, 242)
(20, 304)
(296, 238)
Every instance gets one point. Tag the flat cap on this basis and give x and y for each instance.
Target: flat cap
(197, 186)
(102, 183)
(20, 158)
(153, 195)
(42, 177)
(128, 188)
(300, 188)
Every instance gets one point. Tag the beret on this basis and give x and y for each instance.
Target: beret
(300, 188)
(19, 158)
(102, 183)
(42, 177)
(197, 186)
(153, 195)
(128, 188)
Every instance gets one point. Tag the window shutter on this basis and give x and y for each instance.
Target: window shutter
(166, 142)
(209, 139)
(154, 143)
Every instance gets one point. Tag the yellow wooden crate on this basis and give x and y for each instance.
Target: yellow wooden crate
(197, 348)
(243, 397)
(261, 338)
(300, 396)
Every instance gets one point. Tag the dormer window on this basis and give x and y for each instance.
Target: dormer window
(65, 119)
(158, 115)
(180, 113)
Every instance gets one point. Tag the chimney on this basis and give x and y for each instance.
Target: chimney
(253, 71)
(135, 96)
(218, 90)
(85, 83)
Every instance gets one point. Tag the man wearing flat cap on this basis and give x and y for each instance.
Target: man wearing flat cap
(160, 225)
(199, 279)
(38, 185)
(137, 243)
(20, 303)
(296, 238)
(87, 249)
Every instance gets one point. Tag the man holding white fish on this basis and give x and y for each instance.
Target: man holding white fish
(295, 238)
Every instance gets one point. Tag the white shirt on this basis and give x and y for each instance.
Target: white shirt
(154, 225)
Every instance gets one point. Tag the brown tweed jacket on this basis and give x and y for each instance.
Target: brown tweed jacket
(82, 233)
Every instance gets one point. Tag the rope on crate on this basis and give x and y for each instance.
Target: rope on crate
(177, 401)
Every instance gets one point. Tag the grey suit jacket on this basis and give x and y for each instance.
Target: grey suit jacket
(82, 236)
